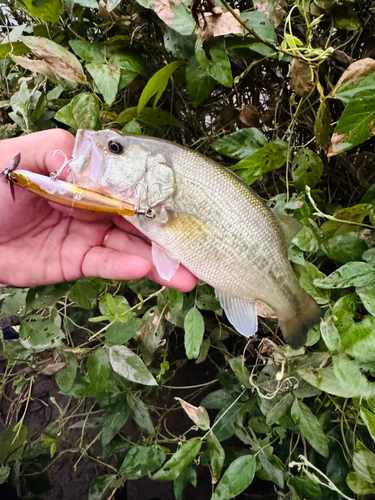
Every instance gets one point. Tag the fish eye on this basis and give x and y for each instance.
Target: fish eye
(115, 147)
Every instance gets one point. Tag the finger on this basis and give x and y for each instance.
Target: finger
(120, 241)
(37, 150)
(109, 264)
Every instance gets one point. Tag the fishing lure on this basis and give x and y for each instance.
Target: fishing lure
(68, 194)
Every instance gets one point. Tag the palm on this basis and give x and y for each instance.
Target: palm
(40, 244)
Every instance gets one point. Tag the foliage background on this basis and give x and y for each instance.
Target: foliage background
(282, 93)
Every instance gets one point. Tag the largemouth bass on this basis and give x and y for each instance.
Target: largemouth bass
(207, 219)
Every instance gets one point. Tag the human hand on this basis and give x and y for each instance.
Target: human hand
(42, 243)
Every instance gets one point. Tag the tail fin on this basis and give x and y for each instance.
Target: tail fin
(296, 327)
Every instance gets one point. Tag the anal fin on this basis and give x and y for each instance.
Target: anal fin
(241, 313)
(165, 264)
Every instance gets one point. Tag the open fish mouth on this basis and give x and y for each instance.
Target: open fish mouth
(87, 159)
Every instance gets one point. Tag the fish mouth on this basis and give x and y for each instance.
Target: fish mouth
(87, 159)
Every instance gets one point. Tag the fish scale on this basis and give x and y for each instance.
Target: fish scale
(207, 219)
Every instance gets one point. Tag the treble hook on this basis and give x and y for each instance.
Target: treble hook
(13, 164)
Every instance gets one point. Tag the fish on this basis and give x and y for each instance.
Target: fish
(207, 219)
(68, 194)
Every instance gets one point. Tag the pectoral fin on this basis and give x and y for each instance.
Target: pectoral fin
(241, 313)
(165, 264)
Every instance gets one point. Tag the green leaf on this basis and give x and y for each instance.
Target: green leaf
(241, 144)
(133, 128)
(310, 427)
(179, 461)
(330, 334)
(353, 85)
(344, 248)
(88, 51)
(359, 485)
(130, 366)
(81, 112)
(350, 274)
(368, 300)
(85, 292)
(306, 487)
(369, 419)
(140, 413)
(157, 84)
(119, 333)
(199, 83)
(241, 372)
(115, 418)
(15, 48)
(106, 78)
(180, 46)
(66, 376)
(49, 12)
(323, 125)
(220, 68)
(130, 62)
(307, 168)
(4, 473)
(40, 334)
(14, 303)
(114, 307)
(343, 312)
(141, 461)
(217, 456)
(364, 462)
(176, 15)
(10, 448)
(280, 408)
(98, 369)
(308, 238)
(273, 469)
(325, 379)
(261, 25)
(356, 124)
(236, 478)
(100, 487)
(359, 339)
(350, 376)
(187, 476)
(307, 274)
(154, 118)
(270, 157)
(62, 62)
(194, 331)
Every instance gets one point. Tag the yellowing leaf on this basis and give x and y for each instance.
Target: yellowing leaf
(198, 414)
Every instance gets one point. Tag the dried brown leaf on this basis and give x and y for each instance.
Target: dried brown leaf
(218, 23)
(52, 368)
(337, 141)
(273, 9)
(300, 78)
(63, 63)
(250, 116)
(356, 72)
(37, 65)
